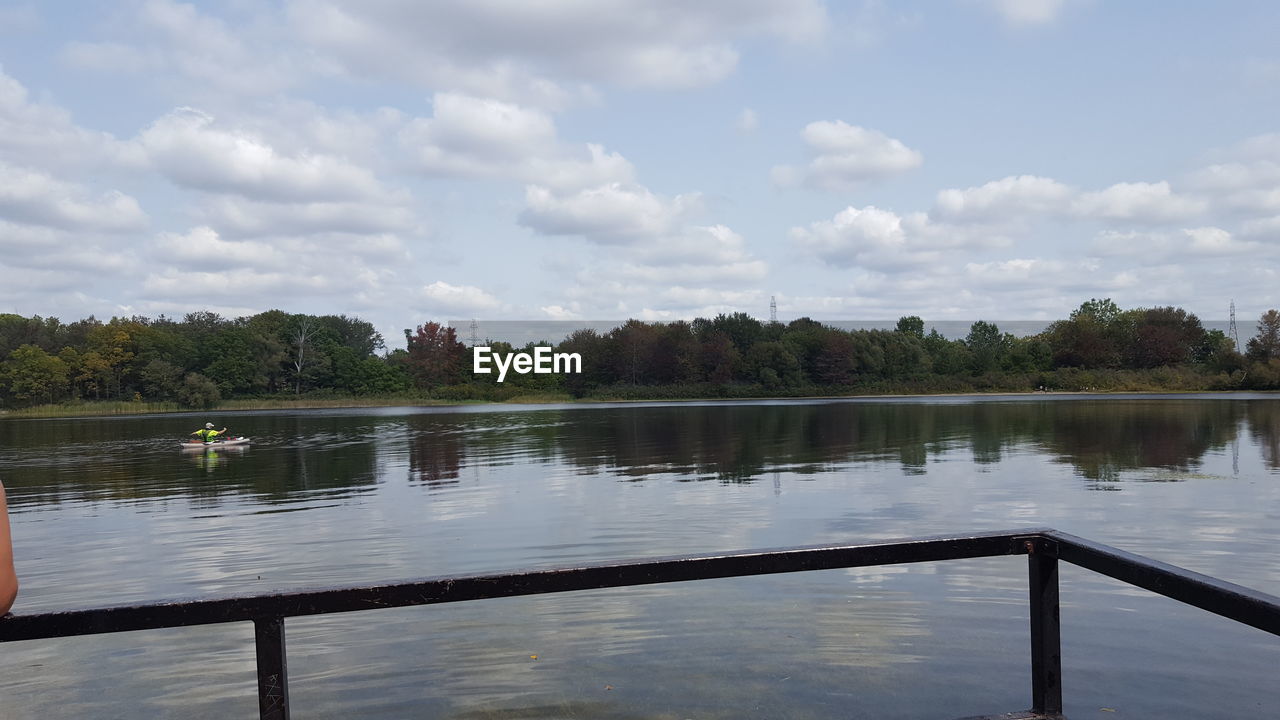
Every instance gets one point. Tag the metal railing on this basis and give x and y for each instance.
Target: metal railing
(1044, 548)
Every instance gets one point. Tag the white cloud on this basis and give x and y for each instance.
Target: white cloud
(1216, 241)
(242, 284)
(708, 245)
(35, 198)
(1028, 197)
(649, 252)
(1115, 243)
(608, 214)
(481, 128)
(529, 51)
(870, 237)
(17, 281)
(557, 312)
(1247, 179)
(1028, 273)
(44, 135)
(698, 256)
(606, 295)
(476, 137)
(201, 248)
(190, 149)
(847, 156)
(1141, 202)
(1007, 198)
(295, 127)
(1264, 228)
(16, 240)
(1189, 245)
(747, 121)
(235, 216)
(441, 297)
(243, 60)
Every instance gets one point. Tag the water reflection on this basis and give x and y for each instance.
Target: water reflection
(210, 458)
(47, 462)
(1264, 427)
(140, 459)
(111, 511)
(436, 455)
(1100, 439)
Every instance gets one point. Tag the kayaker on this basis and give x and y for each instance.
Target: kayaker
(8, 579)
(208, 434)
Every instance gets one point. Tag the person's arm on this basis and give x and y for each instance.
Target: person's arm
(8, 579)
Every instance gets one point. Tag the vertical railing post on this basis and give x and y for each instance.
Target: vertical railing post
(273, 676)
(1046, 639)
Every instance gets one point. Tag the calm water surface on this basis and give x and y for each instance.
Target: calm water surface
(110, 511)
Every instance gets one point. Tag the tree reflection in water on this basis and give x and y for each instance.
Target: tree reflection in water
(1100, 438)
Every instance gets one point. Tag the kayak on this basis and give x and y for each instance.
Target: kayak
(200, 444)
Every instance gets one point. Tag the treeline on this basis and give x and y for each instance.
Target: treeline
(197, 361)
(205, 358)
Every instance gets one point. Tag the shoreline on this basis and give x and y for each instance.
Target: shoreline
(127, 408)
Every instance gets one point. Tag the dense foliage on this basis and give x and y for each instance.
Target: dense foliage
(204, 358)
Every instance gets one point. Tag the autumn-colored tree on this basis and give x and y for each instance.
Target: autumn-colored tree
(110, 352)
(1164, 336)
(435, 355)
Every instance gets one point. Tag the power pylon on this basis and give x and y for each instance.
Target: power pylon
(475, 337)
(1232, 332)
(773, 309)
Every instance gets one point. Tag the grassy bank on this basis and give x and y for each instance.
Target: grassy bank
(1160, 380)
(100, 408)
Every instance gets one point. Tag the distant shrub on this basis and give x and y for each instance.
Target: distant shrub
(198, 391)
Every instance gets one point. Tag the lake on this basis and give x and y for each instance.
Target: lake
(110, 511)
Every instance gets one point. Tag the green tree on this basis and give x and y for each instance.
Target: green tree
(1265, 345)
(904, 354)
(364, 375)
(161, 379)
(911, 325)
(988, 346)
(198, 391)
(633, 346)
(947, 357)
(30, 375)
(773, 366)
(721, 362)
(591, 347)
(1028, 354)
(742, 329)
(834, 362)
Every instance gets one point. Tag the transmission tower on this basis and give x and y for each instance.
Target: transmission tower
(1232, 332)
(773, 309)
(475, 338)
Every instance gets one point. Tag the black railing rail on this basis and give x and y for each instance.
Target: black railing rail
(1045, 547)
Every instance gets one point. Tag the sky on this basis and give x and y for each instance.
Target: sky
(658, 159)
